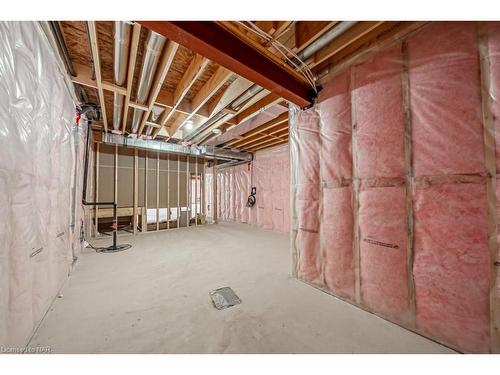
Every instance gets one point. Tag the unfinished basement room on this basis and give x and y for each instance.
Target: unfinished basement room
(176, 186)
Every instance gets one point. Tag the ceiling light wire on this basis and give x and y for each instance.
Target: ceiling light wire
(303, 68)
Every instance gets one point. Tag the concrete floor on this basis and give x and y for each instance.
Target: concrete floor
(154, 298)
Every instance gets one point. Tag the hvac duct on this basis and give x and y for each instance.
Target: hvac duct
(160, 146)
(120, 63)
(154, 47)
(326, 38)
(234, 106)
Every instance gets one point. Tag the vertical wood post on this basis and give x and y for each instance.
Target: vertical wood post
(136, 188)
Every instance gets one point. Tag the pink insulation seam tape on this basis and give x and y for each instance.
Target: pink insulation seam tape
(446, 100)
(451, 267)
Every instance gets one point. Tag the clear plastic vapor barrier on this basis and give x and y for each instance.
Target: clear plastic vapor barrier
(393, 184)
(38, 167)
(269, 174)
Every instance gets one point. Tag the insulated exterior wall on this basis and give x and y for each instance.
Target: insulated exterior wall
(451, 267)
(393, 201)
(270, 174)
(37, 166)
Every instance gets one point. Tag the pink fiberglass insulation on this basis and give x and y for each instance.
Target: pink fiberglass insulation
(270, 174)
(451, 266)
(337, 241)
(443, 182)
(445, 100)
(336, 130)
(336, 174)
(383, 246)
(307, 206)
(494, 59)
(379, 138)
(379, 115)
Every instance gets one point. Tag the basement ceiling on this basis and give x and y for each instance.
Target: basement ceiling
(197, 95)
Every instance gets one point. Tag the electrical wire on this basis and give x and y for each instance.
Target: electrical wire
(302, 67)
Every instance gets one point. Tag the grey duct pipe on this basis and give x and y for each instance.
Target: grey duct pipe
(235, 104)
(154, 48)
(326, 38)
(120, 64)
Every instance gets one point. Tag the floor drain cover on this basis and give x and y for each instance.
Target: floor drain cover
(223, 298)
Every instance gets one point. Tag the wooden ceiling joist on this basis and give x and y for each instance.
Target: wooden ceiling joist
(208, 90)
(196, 67)
(342, 41)
(266, 102)
(97, 67)
(165, 63)
(307, 32)
(220, 45)
(267, 144)
(258, 135)
(263, 128)
(235, 89)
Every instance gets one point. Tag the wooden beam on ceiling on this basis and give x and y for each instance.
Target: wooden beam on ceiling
(208, 90)
(165, 63)
(196, 67)
(342, 41)
(97, 67)
(220, 45)
(136, 32)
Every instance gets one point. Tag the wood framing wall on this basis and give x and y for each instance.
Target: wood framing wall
(151, 188)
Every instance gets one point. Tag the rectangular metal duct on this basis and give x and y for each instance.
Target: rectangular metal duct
(161, 146)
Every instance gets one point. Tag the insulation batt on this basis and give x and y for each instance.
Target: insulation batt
(336, 181)
(308, 196)
(451, 251)
(380, 153)
(445, 100)
(270, 174)
(383, 244)
(36, 175)
(451, 266)
(436, 275)
(379, 116)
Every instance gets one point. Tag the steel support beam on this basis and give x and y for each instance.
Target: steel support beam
(214, 42)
